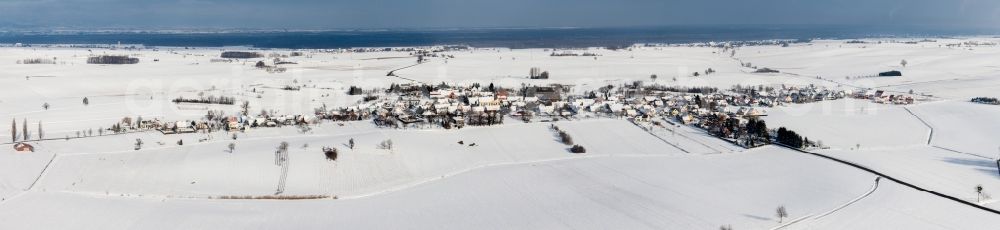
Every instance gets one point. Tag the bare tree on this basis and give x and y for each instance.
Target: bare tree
(903, 63)
(387, 144)
(979, 193)
(565, 138)
(282, 153)
(281, 159)
(138, 144)
(331, 153)
(782, 213)
(246, 108)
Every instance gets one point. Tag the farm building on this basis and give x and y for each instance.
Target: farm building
(22, 147)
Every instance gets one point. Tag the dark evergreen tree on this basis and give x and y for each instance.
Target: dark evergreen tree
(790, 138)
(13, 130)
(24, 130)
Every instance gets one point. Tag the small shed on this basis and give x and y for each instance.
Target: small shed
(22, 147)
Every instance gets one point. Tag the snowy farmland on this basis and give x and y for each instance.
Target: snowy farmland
(634, 192)
(655, 172)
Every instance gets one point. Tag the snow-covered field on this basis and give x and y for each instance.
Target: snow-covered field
(517, 175)
(850, 123)
(965, 127)
(933, 67)
(199, 170)
(933, 168)
(630, 192)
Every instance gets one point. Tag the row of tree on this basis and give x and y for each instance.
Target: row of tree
(683, 89)
(112, 59)
(240, 54)
(354, 90)
(222, 100)
(986, 100)
(789, 138)
(37, 61)
(566, 139)
(25, 135)
(485, 119)
(757, 133)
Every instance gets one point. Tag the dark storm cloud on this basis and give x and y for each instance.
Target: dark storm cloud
(316, 14)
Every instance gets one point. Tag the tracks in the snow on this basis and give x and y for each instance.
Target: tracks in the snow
(812, 217)
(888, 177)
(930, 136)
(849, 203)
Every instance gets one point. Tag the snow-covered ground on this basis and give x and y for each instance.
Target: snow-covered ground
(850, 123)
(963, 126)
(208, 169)
(933, 67)
(936, 169)
(517, 175)
(632, 192)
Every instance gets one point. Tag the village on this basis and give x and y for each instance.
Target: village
(732, 114)
(729, 114)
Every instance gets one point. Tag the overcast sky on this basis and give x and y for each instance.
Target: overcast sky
(338, 14)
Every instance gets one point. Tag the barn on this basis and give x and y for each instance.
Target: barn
(22, 147)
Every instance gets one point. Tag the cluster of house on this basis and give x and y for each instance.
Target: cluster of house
(457, 106)
(230, 123)
(212, 123)
(881, 97)
(414, 105)
(418, 105)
